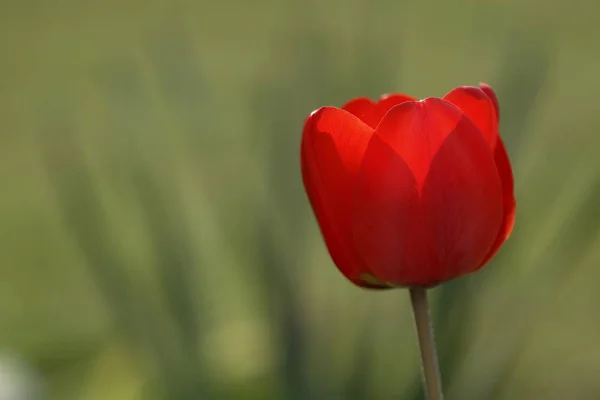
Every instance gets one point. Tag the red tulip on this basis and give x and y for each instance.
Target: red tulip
(407, 192)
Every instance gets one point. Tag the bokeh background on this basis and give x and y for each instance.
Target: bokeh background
(156, 242)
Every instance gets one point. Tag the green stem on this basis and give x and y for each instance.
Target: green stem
(431, 371)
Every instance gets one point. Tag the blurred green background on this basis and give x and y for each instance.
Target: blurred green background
(156, 242)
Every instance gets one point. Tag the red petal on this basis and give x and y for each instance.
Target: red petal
(492, 95)
(451, 228)
(461, 203)
(362, 108)
(417, 129)
(508, 198)
(333, 145)
(476, 104)
(506, 177)
(372, 113)
(385, 214)
(387, 102)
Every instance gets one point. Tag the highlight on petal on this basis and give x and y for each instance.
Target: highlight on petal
(476, 104)
(348, 134)
(333, 145)
(508, 198)
(370, 112)
(417, 129)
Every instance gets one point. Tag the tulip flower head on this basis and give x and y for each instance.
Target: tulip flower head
(406, 192)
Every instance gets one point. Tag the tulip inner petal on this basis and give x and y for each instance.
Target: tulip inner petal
(428, 199)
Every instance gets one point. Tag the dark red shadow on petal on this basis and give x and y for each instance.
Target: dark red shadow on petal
(461, 204)
(384, 219)
(508, 199)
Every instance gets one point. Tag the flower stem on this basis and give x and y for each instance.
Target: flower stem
(431, 371)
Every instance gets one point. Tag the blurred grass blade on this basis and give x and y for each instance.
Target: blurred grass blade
(522, 77)
(171, 51)
(78, 200)
(82, 212)
(286, 313)
(176, 266)
(357, 386)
